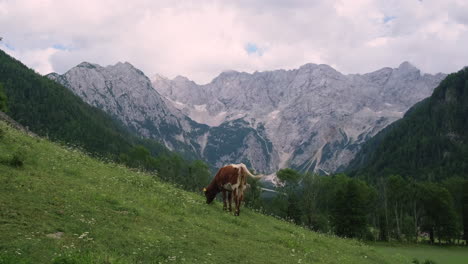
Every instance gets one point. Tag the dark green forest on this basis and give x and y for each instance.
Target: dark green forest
(429, 143)
(392, 209)
(51, 110)
(3, 100)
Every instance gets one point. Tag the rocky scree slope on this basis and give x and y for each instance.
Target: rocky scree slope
(314, 118)
(127, 94)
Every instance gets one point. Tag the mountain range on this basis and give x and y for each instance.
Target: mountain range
(313, 118)
(126, 94)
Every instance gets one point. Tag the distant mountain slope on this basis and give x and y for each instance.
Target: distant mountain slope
(51, 110)
(127, 94)
(315, 117)
(430, 142)
(312, 118)
(61, 206)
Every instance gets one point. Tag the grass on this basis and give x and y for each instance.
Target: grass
(439, 254)
(58, 205)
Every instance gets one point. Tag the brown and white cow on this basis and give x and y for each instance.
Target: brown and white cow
(230, 179)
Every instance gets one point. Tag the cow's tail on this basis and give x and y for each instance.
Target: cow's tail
(247, 172)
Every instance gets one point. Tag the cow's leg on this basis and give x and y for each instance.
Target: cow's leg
(236, 198)
(240, 202)
(230, 201)
(240, 197)
(224, 200)
(234, 193)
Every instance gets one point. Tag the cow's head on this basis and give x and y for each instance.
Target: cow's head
(209, 194)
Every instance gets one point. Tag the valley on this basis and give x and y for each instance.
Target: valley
(62, 206)
(338, 128)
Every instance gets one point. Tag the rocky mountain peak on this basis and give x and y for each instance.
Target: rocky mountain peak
(124, 65)
(86, 64)
(229, 73)
(407, 68)
(226, 75)
(406, 65)
(158, 77)
(53, 76)
(315, 117)
(183, 80)
(127, 94)
(308, 66)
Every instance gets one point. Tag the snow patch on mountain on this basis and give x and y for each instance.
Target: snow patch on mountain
(312, 118)
(315, 117)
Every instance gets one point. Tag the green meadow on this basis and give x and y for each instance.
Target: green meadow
(438, 254)
(58, 205)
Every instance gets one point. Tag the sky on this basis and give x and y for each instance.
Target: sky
(200, 39)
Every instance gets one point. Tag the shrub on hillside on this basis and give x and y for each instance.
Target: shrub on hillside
(427, 261)
(17, 160)
(3, 100)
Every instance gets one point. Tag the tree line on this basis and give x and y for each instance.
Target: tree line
(390, 208)
(171, 167)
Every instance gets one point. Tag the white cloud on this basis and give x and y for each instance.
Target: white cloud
(199, 39)
(37, 59)
(380, 41)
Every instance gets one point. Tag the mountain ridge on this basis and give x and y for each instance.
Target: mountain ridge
(125, 93)
(282, 94)
(156, 76)
(313, 118)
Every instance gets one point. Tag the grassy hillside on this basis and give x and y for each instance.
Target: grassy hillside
(59, 205)
(443, 255)
(51, 110)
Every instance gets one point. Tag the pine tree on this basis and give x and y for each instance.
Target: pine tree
(3, 99)
(351, 209)
(465, 212)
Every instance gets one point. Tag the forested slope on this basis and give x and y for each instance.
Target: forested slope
(51, 110)
(429, 143)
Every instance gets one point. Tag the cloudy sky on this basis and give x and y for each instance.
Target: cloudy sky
(199, 39)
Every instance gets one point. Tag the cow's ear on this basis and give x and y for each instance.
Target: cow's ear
(204, 189)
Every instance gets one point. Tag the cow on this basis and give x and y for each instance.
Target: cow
(230, 180)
